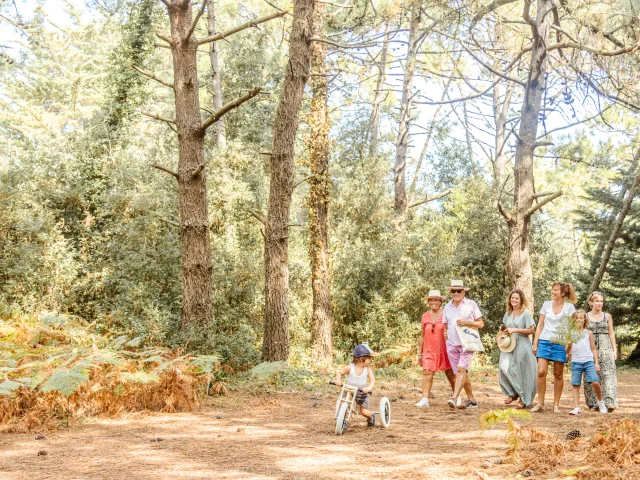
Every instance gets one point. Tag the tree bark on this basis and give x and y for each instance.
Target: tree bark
(374, 122)
(318, 120)
(500, 111)
(216, 81)
(402, 143)
(617, 225)
(519, 270)
(275, 346)
(197, 265)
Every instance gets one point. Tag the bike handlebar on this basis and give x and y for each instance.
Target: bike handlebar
(331, 382)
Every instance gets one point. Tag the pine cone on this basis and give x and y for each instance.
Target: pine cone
(573, 434)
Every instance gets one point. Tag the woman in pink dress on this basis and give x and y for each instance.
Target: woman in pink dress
(432, 350)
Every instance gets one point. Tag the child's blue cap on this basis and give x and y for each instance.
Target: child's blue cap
(363, 350)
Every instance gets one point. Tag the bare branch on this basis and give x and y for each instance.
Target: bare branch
(539, 205)
(543, 194)
(158, 117)
(165, 169)
(342, 45)
(170, 222)
(602, 93)
(306, 179)
(163, 37)
(506, 215)
(493, 70)
(546, 134)
(542, 144)
(244, 26)
(195, 21)
(595, 51)
(167, 3)
(152, 76)
(463, 99)
(488, 9)
(197, 171)
(430, 199)
(228, 107)
(258, 216)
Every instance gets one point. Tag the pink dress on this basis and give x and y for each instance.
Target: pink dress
(434, 348)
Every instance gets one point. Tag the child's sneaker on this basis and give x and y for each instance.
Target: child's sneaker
(423, 403)
(602, 407)
(372, 422)
(459, 401)
(575, 411)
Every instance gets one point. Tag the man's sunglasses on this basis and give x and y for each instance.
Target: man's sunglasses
(456, 291)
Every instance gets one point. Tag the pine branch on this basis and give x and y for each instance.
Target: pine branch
(430, 199)
(165, 169)
(152, 76)
(158, 117)
(539, 205)
(228, 107)
(195, 20)
(244, 26)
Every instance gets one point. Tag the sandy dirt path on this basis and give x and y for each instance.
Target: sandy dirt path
(290, 436)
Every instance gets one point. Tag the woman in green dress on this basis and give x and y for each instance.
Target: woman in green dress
(518, 368)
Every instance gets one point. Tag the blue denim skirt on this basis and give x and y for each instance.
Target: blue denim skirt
(554, 352)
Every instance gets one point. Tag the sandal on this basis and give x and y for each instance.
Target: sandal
(519, 406)
(556, 409)
(509, 400)
(538, 408)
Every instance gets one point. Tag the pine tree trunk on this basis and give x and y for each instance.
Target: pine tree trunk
(322, 315)
(402, 143)
(216, 81)
(617, 226)
(374, 122)
(519, 270)
(197, 266)
(500, 111)
(275, 345)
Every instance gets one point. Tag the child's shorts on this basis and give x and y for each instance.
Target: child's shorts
(362, 399)
(554, 352)
(589, 368)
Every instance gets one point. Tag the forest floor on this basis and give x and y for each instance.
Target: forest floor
(290, 435)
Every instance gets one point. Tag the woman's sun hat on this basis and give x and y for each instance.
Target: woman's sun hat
(506, 341)
(436, 294)
(458, 284)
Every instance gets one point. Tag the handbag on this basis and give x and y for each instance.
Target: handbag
(470, 338)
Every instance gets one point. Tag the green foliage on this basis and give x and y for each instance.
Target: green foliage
(64, 381)
(568, 332)
(494, 417)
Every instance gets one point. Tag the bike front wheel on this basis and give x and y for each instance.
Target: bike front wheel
(341, 419)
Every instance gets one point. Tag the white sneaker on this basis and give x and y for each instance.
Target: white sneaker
(602, 407)
(423, 403)
(459, 401)
(575, 411)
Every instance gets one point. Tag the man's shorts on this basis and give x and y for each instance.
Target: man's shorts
(588, 368)
(458, 358)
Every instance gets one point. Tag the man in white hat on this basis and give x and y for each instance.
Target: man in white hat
(463, 312)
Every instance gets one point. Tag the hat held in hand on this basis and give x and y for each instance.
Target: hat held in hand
(506, 341)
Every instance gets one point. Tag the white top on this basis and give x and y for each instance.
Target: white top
(359, 381)
(581, 351)
(467, 310)
(551, 320)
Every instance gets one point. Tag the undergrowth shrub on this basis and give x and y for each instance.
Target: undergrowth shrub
(56, 369)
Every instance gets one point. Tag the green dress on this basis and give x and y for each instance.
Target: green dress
(518, 369)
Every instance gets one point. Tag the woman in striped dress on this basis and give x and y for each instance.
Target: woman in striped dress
(601, 325)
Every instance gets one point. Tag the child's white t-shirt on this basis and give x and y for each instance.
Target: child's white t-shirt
(551, 320)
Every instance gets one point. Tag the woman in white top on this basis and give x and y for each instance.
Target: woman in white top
(550, 332)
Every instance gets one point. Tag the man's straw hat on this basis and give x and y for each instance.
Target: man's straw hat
(455, 284)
